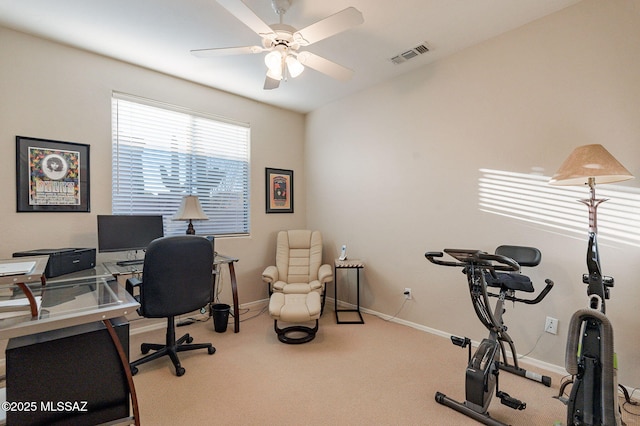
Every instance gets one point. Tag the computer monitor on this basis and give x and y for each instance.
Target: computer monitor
(213, 242)
(128, 232)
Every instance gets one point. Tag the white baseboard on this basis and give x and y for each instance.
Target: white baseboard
(162, 323)
(145, 328)
(531, 361)
(553, 368)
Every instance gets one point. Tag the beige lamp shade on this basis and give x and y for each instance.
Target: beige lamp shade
(190, 209)
(590, 161)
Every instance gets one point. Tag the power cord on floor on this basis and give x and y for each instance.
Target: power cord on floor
(534, 346)
(628, 401)
(548, 328)
(260, 312)
(396, 314)
(189, 321)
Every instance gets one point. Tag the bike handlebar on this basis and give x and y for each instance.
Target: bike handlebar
(538, 299)
(464, 257)
(487, 261)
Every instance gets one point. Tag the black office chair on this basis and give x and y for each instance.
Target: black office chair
(176, 279)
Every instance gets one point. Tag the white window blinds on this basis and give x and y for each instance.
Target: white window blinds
(162, 153)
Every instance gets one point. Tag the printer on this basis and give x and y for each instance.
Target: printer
(64, 260)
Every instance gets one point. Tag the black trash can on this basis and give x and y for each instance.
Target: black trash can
(220, 313)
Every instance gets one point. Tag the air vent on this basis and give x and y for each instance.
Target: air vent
(410, 54)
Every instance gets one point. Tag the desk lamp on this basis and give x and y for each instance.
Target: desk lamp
(588, 165)
(190, 209)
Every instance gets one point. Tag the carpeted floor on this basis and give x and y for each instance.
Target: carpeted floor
(378, 373)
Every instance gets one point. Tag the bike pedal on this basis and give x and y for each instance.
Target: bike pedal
(460, 341)
(510, 402)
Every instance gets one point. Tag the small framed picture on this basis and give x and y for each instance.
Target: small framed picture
(51, 176)
(279, 190)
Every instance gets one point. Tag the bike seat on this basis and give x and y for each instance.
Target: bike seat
(525, 256)
(509, 281)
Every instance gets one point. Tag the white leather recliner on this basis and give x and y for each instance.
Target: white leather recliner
(299, 268)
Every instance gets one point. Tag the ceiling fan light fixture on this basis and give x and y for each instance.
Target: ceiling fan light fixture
(273, 61)
(294, 66)
(275, 74)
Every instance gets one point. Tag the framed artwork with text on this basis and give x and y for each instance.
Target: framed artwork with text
(51, 176)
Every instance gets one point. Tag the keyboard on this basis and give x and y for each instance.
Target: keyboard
(130, 262)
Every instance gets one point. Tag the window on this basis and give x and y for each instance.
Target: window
(161, 153)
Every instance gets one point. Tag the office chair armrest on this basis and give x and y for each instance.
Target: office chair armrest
(270, 274)
(325, 274)
(131, 284)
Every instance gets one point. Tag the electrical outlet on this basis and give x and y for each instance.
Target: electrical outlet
(551, 325)
(407, 293)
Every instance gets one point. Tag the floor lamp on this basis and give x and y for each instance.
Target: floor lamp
(590, 358)
(190, 209)
(591, 165)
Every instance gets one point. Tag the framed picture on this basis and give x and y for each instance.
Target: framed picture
(279, 190)
(51, 176)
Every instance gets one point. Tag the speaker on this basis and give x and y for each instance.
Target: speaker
(71, 376)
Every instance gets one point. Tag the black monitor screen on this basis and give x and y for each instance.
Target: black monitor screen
(124, 233)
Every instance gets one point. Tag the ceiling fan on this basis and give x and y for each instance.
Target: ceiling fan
(283, 42)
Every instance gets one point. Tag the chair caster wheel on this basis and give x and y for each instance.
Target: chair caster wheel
(211, 350)
(134, 371)
(144, 348)
(189, 339)
(180, 371)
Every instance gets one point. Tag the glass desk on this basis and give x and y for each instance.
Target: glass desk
(21, 279)
(65, 303)
(76, 304)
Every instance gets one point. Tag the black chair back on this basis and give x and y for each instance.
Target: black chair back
(177, 276)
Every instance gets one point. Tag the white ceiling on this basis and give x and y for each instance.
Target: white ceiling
(158, 34)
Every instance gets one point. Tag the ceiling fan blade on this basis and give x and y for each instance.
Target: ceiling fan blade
(334, 24)
(247, 16)
(271, 83)
(324, 66)
(225, 51)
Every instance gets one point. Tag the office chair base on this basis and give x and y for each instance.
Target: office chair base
(171, 349)
(308, 333)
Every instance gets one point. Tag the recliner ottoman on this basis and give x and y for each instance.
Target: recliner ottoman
(295, 308)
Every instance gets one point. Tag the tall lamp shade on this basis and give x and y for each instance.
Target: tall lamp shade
(190, 209)
(590, 162)
(588, 165)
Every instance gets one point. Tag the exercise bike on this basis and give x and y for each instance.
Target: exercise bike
(498, 270)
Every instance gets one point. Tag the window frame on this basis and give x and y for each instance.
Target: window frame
(162, 152)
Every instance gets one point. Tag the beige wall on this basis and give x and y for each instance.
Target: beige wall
(393, 172)
(54, 92)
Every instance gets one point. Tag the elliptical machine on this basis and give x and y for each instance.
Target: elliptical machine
(482, 270)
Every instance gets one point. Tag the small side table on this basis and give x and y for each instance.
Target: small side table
(347, 264)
